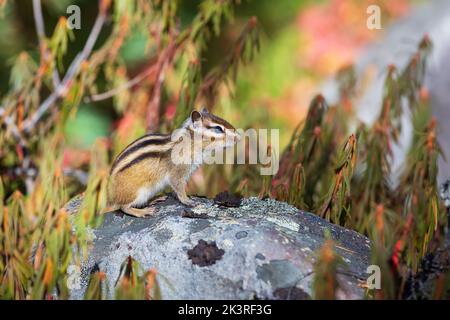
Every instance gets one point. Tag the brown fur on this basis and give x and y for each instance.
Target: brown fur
(123, 185)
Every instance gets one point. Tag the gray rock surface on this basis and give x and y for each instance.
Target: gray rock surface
(263, 249)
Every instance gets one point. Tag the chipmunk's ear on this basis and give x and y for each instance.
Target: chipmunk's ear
(196, 117)
(204, 111)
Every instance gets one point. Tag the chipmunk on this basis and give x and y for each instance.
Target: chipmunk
(147, 166)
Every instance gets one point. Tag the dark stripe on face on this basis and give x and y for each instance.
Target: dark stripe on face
(220, 121)
(146, 155)
(129, 150)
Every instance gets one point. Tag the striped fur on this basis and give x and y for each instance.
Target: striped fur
(151, 145)
(141, 157)
(209, 118)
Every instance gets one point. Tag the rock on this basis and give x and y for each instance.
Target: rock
(434, 269)
(263, 249)
(227, 200)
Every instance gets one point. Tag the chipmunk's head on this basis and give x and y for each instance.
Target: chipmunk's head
(214, 130)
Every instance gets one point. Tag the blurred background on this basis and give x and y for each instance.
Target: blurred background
(303, 43)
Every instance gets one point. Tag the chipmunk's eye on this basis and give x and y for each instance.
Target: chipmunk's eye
(218, 129)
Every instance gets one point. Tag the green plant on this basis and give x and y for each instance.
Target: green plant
(37, 243)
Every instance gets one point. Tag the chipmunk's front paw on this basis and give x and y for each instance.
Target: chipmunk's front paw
(188, 202)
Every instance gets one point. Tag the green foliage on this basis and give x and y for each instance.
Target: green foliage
(421, 200)
(311, 147)
(326, 283)
(353, 187)
(188, 93)
(59, 42)
(133, 284)
(96, 287)
(337, 205)
(208, 21)
(39, 238)
(22, 73)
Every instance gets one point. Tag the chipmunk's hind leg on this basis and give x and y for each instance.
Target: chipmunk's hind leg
(110, 208)
(139, 212)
